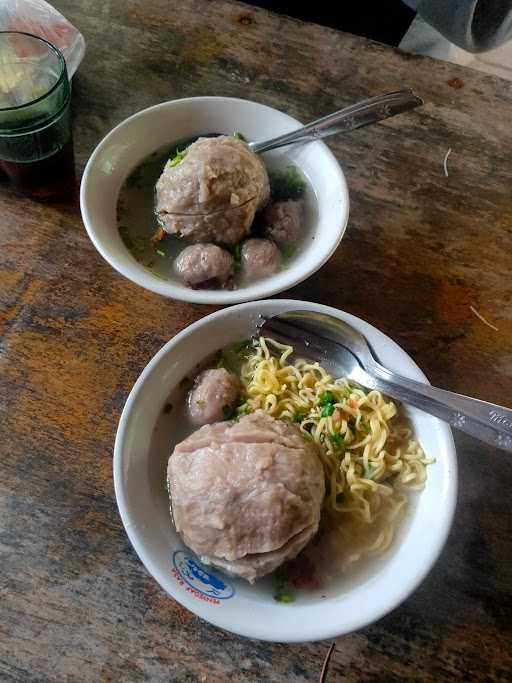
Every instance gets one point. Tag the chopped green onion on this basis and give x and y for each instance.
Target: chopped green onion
(178, 157)
(280, 592)
(287, 250)
(160, 252)
(325, 398)
(327, 410)
(236, 253)
(238, 135)
(284, 597)
(286, 184)
(242, 348)
(337, 440)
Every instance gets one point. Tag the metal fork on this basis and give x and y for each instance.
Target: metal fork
(346, 353)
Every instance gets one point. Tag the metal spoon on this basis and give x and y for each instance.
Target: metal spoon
(347, 353)
(355, 116)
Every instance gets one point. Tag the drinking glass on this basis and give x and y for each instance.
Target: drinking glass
(36, 144)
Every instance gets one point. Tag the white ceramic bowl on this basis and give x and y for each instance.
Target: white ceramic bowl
(138, 136)
(143, 443)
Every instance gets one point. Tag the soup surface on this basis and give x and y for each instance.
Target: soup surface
(137, 221)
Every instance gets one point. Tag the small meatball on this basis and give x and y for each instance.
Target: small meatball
(259, 257)
(205, 266)
(213, 396)
(283, 220)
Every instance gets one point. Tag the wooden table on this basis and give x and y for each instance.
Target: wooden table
(420, 250)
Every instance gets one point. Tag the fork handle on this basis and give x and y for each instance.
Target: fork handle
(488, 422)
(354, 116)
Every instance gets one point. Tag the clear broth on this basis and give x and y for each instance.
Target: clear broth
(137, 222)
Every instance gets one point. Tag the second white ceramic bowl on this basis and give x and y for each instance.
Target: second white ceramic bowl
(143, 133)
(147, 432)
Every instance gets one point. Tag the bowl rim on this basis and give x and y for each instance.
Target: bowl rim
(314, 631)
(136, 273)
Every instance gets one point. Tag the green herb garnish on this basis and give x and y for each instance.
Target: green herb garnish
(280, 592)
(286, 184)
(178, 157)
(337, 440)
(298, 417)
(242, 348)
(365, 427)
(236, 253)
(243, 410)
(287, 250)
(284, 597)
(160, 252)
(134, 244)
(147, 267)
(327, 410)
(238, 135)
(325, 398)
(326, 402)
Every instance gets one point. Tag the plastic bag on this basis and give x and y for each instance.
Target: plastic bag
(43, 20)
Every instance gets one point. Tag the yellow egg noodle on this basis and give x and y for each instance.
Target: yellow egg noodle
(370, 464)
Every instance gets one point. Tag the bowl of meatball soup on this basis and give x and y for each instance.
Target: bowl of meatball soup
(270, 498)
(177, 202)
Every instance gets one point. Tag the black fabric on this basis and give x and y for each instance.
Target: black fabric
(384, 20)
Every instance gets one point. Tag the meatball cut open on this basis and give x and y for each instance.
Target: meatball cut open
(246, 496)
(213, 193)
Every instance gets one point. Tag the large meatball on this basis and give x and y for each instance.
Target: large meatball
(283, 220)
(214, 192)
(259, 257)
(246, 496)
(205, 266)
(213, 395)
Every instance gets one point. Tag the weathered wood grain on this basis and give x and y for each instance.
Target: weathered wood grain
(420, 249)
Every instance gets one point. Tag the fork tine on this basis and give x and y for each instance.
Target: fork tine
(311, 344)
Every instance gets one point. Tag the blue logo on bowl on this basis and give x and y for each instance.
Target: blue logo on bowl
(200, 578)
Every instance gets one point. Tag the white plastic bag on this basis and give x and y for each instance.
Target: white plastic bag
(43, 20)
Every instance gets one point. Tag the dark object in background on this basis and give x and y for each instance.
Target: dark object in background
(473, 25)
(384, 20)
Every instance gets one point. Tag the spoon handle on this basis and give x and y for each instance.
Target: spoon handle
(355, 116)
(488, 422)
